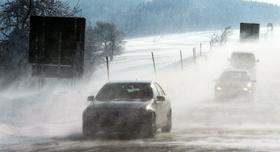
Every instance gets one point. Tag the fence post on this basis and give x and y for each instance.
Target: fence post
(154, 64)
(200, 50)
(181, 58)
(194, 53)
(108, 68)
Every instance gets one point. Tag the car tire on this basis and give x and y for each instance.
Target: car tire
(88, 131)
(168, 126)
(151, 127)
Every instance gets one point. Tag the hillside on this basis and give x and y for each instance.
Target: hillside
(148, 17)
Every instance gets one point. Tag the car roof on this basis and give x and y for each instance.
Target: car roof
(242, 53)
(236, 70)
(131, 81)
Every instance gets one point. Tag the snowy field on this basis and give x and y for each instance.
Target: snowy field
(49, 119)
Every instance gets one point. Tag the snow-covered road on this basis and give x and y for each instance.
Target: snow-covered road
(52, 119)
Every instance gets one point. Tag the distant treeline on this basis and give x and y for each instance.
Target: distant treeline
(148, 17)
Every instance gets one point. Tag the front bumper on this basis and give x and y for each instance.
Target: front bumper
(117, 121)
(232, 93)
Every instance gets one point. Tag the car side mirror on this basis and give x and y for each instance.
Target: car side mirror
(160, 98)
(91, 98)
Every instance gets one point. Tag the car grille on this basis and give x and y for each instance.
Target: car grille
(117, 118)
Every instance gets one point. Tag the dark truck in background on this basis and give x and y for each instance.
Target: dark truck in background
(249, 31)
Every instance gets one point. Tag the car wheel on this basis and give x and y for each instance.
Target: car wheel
(151, 127)
(88, 131)
(168, 126)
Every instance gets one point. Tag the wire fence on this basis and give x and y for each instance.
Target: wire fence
(155, 60)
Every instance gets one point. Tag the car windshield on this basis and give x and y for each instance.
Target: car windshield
(234, 76)
(125, 92)
(243, 57)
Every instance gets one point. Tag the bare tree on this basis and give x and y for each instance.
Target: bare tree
(14, 27)
(15, 14)
(102, 40)
(107, 38)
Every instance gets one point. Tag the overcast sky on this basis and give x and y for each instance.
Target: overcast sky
(271, 1)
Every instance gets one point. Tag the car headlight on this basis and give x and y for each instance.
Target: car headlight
(219, 88)
(245, 89)
(149, 107)
(249, 85)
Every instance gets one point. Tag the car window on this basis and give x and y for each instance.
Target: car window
(155, 89)
(234, 76)
(243, 56)
(125, 92)
(160, 90)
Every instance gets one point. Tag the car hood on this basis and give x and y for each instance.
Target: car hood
(232, 84)
(120, 105)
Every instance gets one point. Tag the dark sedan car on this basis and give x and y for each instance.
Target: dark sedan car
(243, 60)
(128, 107)
(235, 83)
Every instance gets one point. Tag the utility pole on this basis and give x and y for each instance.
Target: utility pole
(108, 68)
(154, 64)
